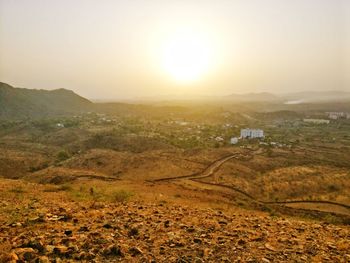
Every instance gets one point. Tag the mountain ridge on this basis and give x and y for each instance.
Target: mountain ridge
(21, 103)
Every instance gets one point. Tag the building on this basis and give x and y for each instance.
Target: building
(234, 140)
(252, 133)
(317, 121)
(336, 115)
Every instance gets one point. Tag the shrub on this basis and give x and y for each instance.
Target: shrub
(17, 190)
(65, 187)
(333, 188)
(122, 196)
(62, 156)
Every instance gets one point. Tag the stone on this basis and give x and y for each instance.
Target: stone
(107, 226)
(26, 253)
(12, 257)
(36, 244)
(135, 251)
(113, 250)
(133, 232)
(49, 248)
(86, 256)
(197, 240)
(198, 260)
(241, 242)
(205, 252)
(60, 250)
(191, 229)
(161, 250)
(43, 259)
(270, 247)
(83, 229)
(167, 223)
(68, 232)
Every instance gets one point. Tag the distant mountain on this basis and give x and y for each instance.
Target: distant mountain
(292, 98)
(19, 103)
(253, 97)
(316, 96)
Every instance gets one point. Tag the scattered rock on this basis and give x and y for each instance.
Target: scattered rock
(60, 250)
(68, 232)
(167, 223)
(133, 232)
(197, 240)
(113, 250)
(191, 229)
(37, 219)
(107, 226)
(43, 259)
(26, 254)
(135, 251)
(270, 247)
(83, 229)
(16, 224)
(11, 257)
(35, 244)
(179, 234)
(241, 242)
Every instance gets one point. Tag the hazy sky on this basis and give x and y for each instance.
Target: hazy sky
(114, 49)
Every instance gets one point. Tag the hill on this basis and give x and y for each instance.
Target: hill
(19, 103)
(292, 98)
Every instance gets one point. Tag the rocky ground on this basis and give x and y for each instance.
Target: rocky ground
(58, 229)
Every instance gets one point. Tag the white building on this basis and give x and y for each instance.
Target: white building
(336, 115)
(234, 140)
(252, 133)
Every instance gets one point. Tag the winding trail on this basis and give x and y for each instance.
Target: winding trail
(208, 171)
(270, 202)
(215, 166)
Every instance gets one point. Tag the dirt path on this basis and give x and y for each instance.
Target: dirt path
(215, 166)
(208, 171)
(270, 202)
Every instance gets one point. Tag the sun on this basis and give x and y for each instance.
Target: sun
(186, 56)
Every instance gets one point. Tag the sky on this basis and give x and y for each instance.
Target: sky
(116, 50)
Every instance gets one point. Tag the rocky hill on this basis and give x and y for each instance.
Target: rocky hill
(19, 103)
(63, 230)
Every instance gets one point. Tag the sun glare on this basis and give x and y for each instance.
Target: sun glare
(186, 56)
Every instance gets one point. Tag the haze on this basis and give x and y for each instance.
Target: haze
(134, 49)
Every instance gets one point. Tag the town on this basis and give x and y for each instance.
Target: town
(218, 129)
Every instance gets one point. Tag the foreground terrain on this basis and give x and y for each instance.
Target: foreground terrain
(153, 229)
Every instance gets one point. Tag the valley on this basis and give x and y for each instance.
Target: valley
(151, 183)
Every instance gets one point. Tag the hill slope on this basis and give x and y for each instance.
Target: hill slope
(164, 230)
(22, 103)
